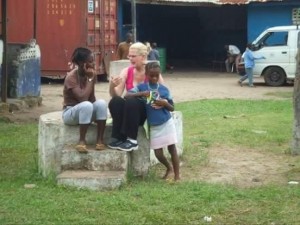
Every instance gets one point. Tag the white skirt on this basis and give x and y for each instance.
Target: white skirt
(163, 135)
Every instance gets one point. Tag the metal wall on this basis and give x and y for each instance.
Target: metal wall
(20, 27)
(63, 25)
(265, 15)
(108, 33)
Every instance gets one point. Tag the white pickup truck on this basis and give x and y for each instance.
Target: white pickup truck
(279, 46)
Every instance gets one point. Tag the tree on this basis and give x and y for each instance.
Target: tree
(296, 104)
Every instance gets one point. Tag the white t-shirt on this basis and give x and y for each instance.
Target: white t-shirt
(233, 50)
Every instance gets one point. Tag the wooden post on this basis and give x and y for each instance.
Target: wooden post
(296, 98)
(133, 19)
(4, 61)
(296, 104)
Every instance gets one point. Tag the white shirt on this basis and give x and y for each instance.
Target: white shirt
(233, 50)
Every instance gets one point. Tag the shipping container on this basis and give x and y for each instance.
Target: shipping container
(59, 26)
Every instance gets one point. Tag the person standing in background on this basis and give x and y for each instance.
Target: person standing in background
(154, 53)
(123, 47)
(249, 59)
(148, 47)
(233, 56)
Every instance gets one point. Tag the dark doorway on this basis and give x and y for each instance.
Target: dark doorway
(192, 36)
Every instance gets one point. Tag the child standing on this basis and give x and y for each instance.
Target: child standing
(80, 104)
(249, 65)
(159, 103)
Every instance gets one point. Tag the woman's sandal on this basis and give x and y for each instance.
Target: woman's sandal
(172, 180)
(81, 148)
(100, 147)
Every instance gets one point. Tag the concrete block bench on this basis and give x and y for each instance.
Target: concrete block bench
(96, 170)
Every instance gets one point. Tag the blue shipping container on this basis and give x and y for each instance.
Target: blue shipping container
(24, 70)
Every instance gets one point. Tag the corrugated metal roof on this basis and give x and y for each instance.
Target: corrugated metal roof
(201, 2)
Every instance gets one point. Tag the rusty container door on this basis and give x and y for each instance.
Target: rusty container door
(61, 27)
(109, 32)
(20, 16)
(93, 35)
(102, 31)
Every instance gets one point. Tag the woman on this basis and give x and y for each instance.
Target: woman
(80, 104)
(128, 114)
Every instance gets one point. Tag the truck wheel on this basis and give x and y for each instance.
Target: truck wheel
(274, 76)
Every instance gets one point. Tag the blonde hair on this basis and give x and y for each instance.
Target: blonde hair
(148, 47)
(140, 48)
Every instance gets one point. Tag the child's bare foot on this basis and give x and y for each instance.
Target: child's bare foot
(176, 178)
(167, 174)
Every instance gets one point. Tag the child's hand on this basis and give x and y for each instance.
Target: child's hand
(160, 103)
(145, 94)
(89, 71)
(115, 81)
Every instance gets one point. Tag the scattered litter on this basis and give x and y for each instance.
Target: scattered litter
(29, 186)
(233, 117)
(207, 219)
(259, 131)
(255, 180)
(293, 182)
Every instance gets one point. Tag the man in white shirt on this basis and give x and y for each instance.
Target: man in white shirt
(233, 56)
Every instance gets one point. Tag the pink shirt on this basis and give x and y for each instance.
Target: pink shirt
(130, 78)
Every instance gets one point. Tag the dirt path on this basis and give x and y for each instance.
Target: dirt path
(185, 86)
(241, 167)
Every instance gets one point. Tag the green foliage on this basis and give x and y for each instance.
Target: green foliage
(261, 125)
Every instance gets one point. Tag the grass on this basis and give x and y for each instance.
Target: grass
(237, 122)
(263, 125)
(281, 94)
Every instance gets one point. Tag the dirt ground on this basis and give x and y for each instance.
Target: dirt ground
(241, 167)
(184, 85)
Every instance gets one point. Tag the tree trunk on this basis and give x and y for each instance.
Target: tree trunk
(296, 103)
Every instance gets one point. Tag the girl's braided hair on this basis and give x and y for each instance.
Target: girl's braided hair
(151, 65)
(80, 55)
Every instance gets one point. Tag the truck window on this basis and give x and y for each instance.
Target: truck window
(275, 39)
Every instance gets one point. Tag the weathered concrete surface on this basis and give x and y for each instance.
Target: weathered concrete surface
(19, 104)
(105, 160)
(115, 67)
(57, 155)
(54, 137)
(93, 180)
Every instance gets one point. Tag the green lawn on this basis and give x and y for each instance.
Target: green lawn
(152, 201)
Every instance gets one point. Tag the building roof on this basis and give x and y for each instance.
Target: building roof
(201, 2)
